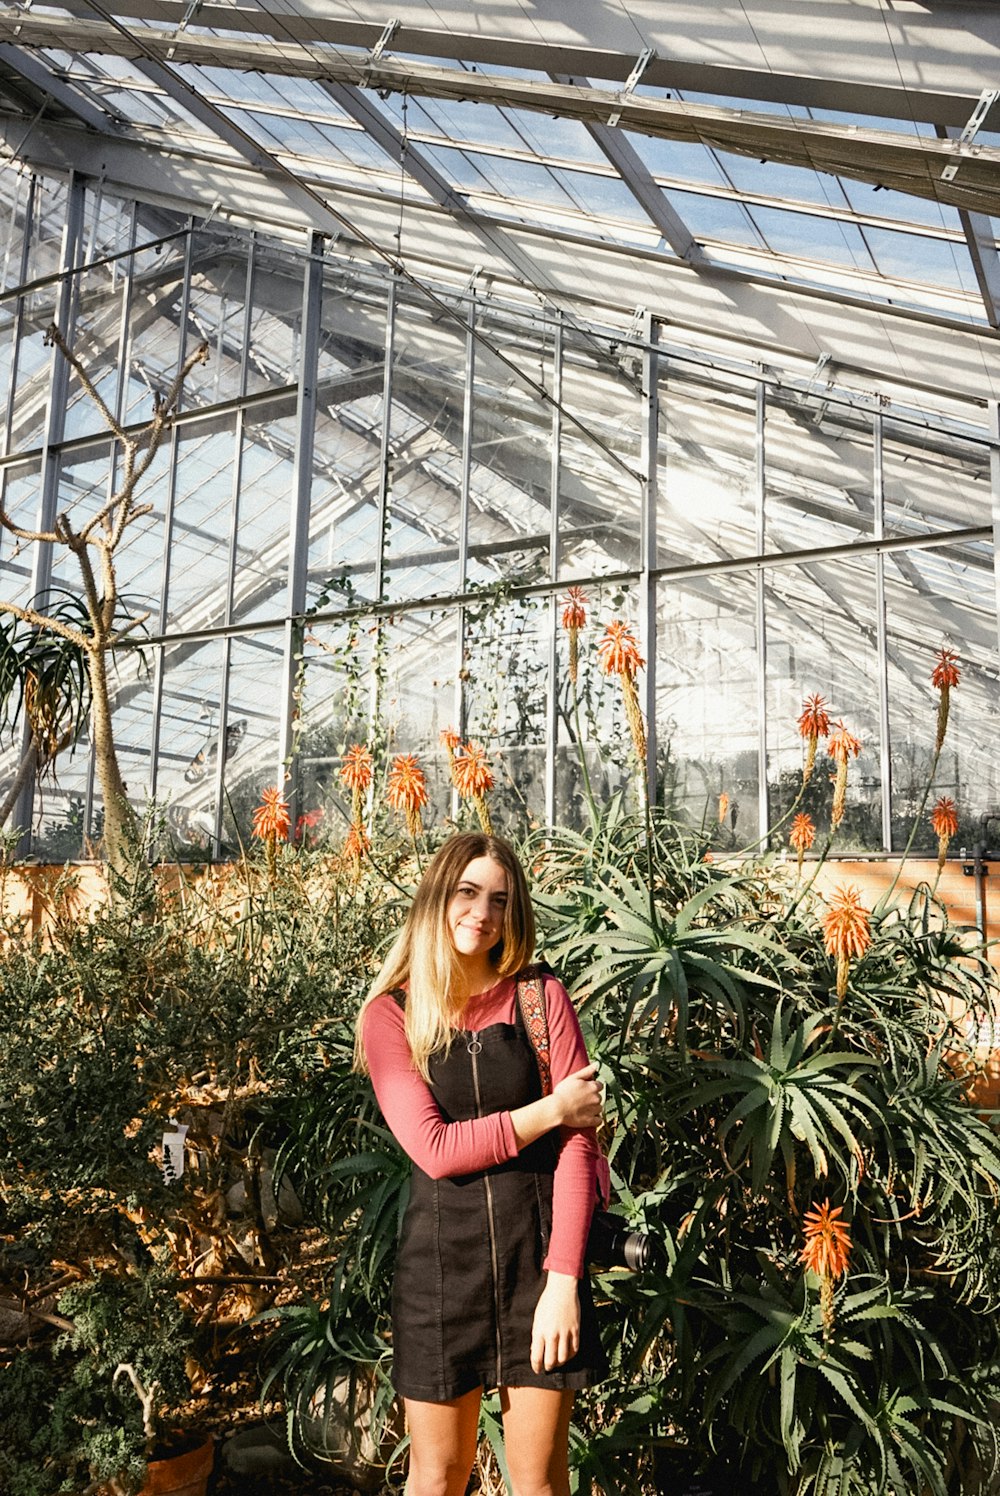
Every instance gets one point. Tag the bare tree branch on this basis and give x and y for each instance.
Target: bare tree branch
(50, 625)
(54, 338)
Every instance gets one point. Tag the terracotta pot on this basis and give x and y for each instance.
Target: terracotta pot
(182, 1474)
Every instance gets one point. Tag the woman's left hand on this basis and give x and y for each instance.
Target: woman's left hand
(555, 1330)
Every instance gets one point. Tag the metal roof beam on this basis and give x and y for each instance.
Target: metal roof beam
(639, 180)
(904, 162)
(35, 71)
(850, 95)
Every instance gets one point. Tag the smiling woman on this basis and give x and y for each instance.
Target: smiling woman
(490, 1288)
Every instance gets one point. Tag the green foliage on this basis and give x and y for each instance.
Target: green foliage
(741, 1096)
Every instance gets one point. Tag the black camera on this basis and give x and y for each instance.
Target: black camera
(612, 1244)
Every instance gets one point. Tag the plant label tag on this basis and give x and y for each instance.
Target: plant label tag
(173, 1152)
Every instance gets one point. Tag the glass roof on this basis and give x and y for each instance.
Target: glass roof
(160, 79)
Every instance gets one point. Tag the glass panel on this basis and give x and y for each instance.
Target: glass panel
(348, 437)
(591, 726)
(511, 478)
(266, 488)
(706, 700)
(505, 671)
(421, 659)
(425, 472)
(809, 237)
(201, 527)
(189, 743)
(818, 463)
(820, 623)
(933, 480)
(334, 704)
(707, 481)
(252, 718)
(60, 825)
(688, 160)
(600, 487)
(944, 597)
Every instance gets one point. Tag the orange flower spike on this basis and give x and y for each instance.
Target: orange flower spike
(619, 655)
(574, 618)
(271, 822)
(944, 819)
(814, 723)
(841, 746)
(356, 772)
(723, 807)
(802, 835)
(357, 767)
(846, 931)
(618, 650)
(407, 790)
(450, 740)
(473, 780)
(945, 674)
(356, 844)
(826, 1253)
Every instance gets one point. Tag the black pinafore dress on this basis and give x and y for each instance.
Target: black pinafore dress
(469, 1262)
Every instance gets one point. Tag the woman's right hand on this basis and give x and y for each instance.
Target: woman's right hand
(580, 1098)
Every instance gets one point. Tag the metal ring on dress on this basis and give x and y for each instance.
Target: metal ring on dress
(474, 1046)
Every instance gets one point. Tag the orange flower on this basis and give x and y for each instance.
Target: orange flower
(946, 672)
(574, 615)
(814, 723)
(944, 819)
(357, 775)
(356, 844)
(828, 1241)
(842, 745)
(802, 835)
(619, 651)
(847, 932)
(944, 675)
(450, 740)
(723, 807)
(826, 1253)
(407, 790)
(271, 820)
(357, 768)
(574, 618)
(473, 779)
(620, 656)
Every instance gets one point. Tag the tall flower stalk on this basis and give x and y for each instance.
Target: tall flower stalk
(826, 1253)
(944, 819)
(450, 740)
(842, 746)
(356, 773)
(945, 676)
(271, 823)
(406, 791)
(574, 618)
(802, 836)
(619, 655)
(813, 724)
(847, 934)
(474, 780)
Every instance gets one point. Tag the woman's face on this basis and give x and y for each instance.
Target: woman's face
(475, 911)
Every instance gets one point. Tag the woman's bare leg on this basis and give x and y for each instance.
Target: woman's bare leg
(536, 1437)
(442, 1444)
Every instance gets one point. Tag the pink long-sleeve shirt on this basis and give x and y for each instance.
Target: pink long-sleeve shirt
(445, 1150)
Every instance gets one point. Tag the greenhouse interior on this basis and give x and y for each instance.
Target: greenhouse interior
(425, 347)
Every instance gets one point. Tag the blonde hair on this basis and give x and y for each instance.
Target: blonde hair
(423, 959)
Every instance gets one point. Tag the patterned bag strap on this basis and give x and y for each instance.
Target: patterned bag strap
(531, 1000)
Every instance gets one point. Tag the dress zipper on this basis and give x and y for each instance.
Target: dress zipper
(474, 1050)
